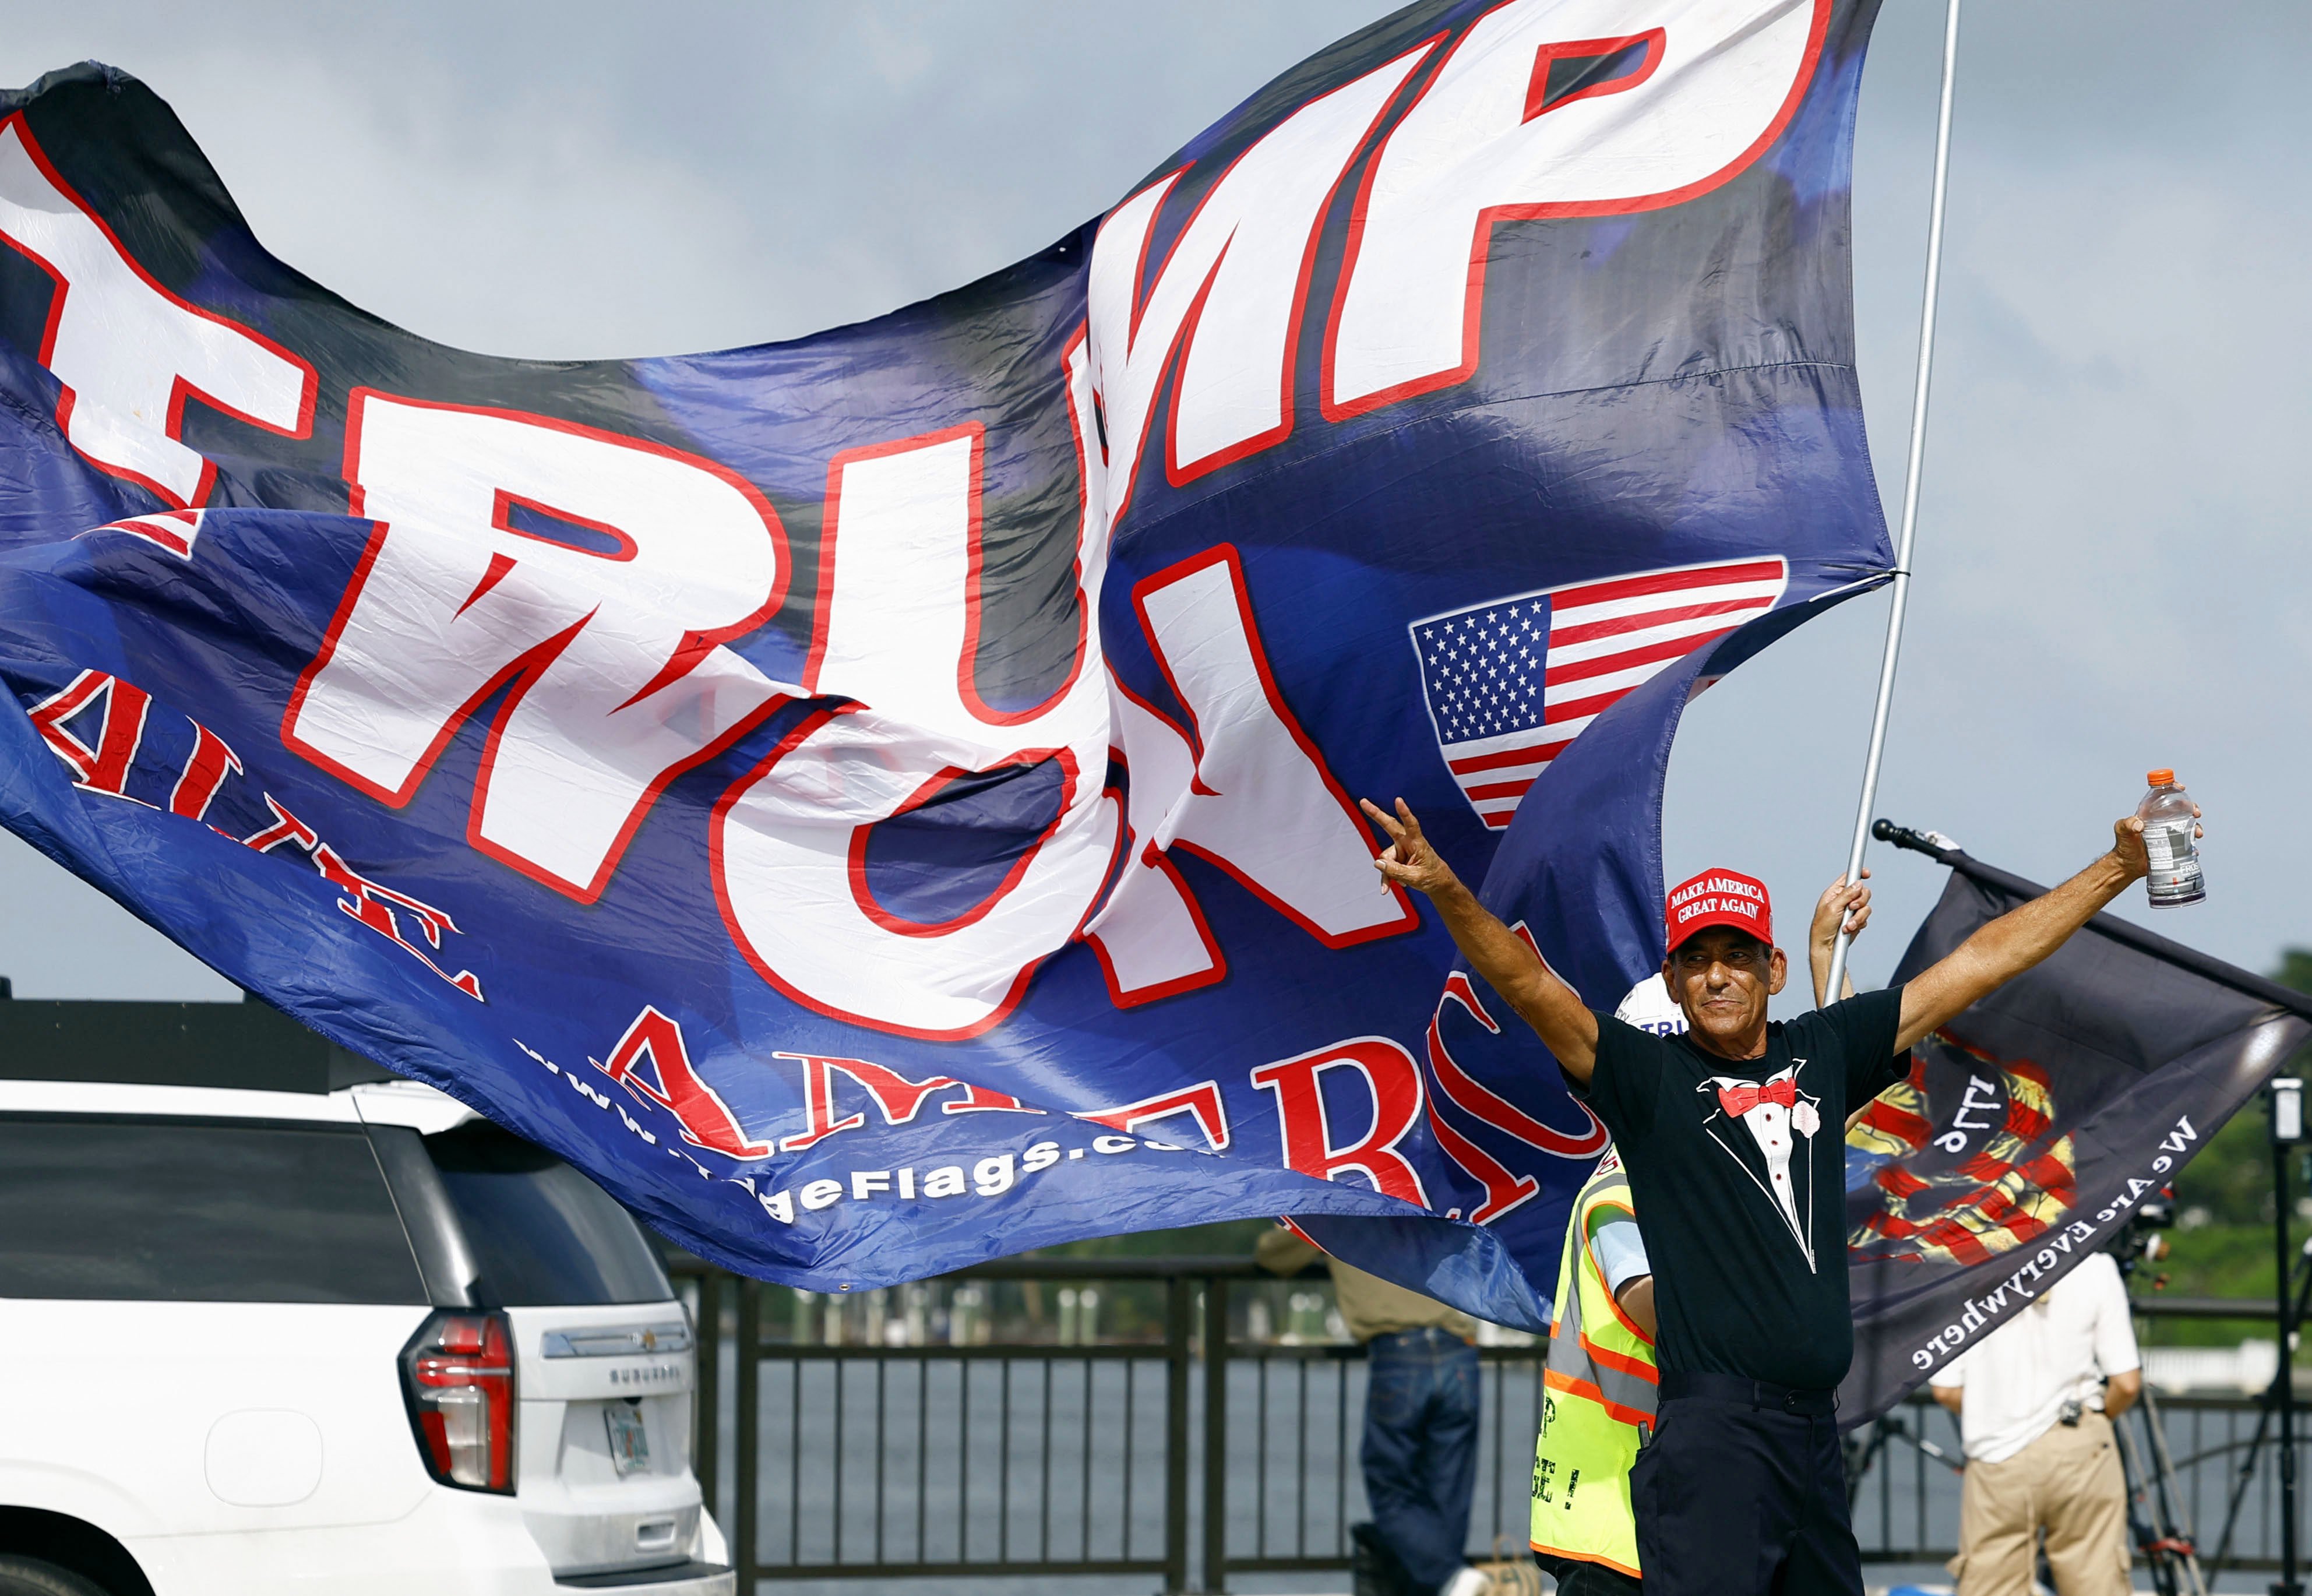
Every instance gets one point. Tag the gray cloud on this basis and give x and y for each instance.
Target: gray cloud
(2108, 575)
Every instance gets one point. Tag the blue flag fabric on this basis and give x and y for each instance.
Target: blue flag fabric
(885, 800)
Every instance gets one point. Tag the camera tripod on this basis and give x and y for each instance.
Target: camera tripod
(2302, 1273)
(2155, 1513)
(1862, 1453)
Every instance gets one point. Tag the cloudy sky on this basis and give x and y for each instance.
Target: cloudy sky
(2107, 578)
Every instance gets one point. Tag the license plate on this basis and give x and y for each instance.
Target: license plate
(629, 1442)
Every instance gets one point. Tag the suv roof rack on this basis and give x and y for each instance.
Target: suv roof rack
(250, 1046)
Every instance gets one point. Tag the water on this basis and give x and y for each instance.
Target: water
(2168, 828)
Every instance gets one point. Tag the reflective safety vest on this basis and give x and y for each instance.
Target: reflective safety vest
(1598, 1400)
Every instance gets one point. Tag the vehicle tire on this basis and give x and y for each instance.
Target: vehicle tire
(30, 1576)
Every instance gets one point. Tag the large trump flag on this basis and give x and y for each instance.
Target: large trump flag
(885, 800)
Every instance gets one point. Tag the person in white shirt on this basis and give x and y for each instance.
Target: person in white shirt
(2034, 1403)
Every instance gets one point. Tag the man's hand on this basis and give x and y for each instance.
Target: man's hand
(1511, 967)
(1840, 905)
(1408, 860)
(1841, 908)
(2127, 843)
(2016, 941)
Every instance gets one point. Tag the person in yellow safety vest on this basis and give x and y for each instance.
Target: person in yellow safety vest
(1598, 1379)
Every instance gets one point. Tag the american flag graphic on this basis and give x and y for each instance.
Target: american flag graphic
(1512, 680)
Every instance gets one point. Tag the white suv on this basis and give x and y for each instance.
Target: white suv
(346, 1341)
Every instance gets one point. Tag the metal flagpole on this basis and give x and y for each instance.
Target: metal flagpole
(1909, 484)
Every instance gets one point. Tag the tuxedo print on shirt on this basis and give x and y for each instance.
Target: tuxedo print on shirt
(1748, 1237)
(1775, 1114)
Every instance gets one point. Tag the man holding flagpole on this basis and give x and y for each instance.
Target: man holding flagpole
(1730, 1135)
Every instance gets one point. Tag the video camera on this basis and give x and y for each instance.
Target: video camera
(2143, 1238)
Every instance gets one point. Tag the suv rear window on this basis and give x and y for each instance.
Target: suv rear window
(198, 1211)
(541, 1233)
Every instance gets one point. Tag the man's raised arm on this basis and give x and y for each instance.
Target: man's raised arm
(1510, 966)
(2016, 941)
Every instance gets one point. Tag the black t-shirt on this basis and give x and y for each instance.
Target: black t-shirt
(1737, 1172)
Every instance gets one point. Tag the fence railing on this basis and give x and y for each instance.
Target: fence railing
(1195, 1451)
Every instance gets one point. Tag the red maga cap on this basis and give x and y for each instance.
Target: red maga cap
(1718, 897)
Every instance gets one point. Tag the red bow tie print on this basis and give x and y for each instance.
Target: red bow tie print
(1739, 1101)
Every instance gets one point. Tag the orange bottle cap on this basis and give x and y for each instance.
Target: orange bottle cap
(2161, 778)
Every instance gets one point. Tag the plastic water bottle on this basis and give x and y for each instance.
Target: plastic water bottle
(2169, 825)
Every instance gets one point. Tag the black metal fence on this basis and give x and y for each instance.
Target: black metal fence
(1202, 1448)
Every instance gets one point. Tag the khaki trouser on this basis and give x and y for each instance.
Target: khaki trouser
(2067, 1482)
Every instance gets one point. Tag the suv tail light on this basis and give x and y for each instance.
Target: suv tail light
(457, 1373)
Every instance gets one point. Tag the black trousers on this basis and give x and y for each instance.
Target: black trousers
(1743, 1497)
